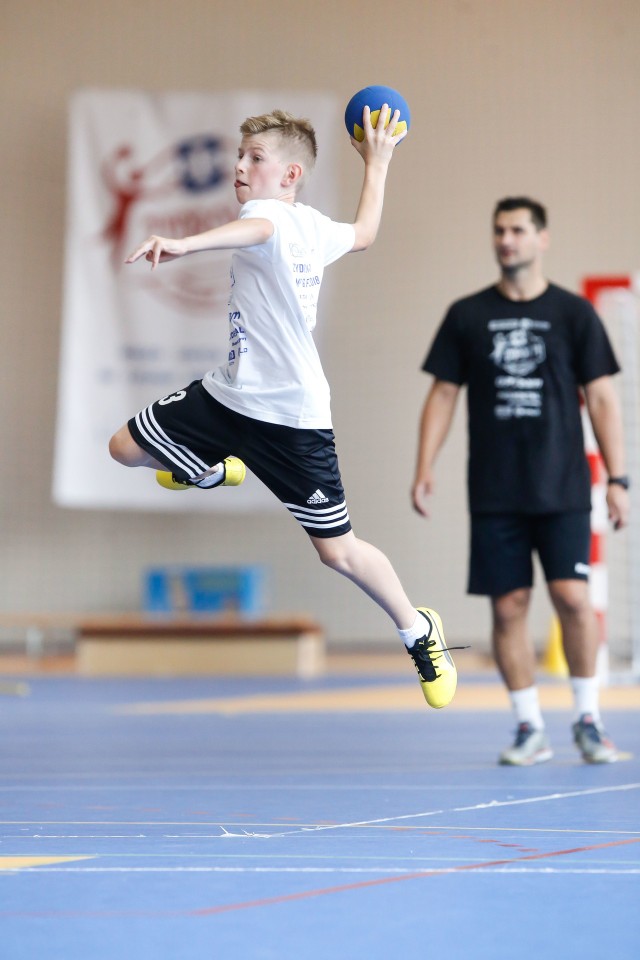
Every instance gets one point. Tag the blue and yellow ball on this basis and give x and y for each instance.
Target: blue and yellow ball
(374, 97)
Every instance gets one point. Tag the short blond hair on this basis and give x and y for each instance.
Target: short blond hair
(296, 132)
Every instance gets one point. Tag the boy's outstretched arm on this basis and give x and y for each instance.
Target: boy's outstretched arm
(229, 236)
(376, 150)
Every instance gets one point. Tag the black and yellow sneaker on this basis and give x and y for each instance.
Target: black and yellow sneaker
(234, 474)
(436, 670)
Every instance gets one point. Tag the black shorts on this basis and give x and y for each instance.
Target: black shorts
(189, 432)
(502, 546)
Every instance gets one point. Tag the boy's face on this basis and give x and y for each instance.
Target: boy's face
(260, 169)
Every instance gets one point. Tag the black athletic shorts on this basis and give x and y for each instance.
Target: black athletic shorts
(502, 546)
(189, 432)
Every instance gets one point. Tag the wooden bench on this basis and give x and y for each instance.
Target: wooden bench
(134, 645)
(131, 644)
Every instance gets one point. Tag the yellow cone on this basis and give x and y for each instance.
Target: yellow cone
(554, 661)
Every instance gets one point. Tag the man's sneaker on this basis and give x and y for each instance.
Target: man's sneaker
(530, 746)
(436, 669)
(234, 474)
(592, 741)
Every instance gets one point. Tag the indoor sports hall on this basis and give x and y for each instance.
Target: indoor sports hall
(210, 744)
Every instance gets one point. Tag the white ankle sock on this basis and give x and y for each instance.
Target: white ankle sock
(526, 705)
(585, 696)
(213, 477)
(415, 632)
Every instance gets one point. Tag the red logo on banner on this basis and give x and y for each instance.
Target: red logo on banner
(179, 192)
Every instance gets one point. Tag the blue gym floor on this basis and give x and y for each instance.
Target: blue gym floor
(254, 818)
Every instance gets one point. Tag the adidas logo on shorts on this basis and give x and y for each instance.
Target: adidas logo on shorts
(317, 497)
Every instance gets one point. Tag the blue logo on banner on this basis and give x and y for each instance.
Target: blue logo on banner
(201, 162)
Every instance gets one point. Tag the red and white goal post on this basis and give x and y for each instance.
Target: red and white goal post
(615, 557)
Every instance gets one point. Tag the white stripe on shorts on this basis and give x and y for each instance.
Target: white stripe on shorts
(325, 518)
(176, 452)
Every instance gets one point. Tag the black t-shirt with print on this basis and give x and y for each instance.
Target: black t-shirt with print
(523, 362)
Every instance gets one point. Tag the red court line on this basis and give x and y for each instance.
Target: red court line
(304, 895)
(285, 898)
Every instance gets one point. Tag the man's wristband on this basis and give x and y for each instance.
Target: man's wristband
(620, 482)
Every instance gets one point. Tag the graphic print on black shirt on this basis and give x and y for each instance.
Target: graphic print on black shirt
(518, 349)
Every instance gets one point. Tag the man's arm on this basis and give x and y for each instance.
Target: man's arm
(437, 415)
(606, 419)
(229, 236)
(376, 150)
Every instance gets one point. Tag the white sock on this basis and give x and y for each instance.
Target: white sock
(527, 707)
(585, 696)
(212, 477)
(415, 632)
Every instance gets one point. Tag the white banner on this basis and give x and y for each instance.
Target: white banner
(142, 163)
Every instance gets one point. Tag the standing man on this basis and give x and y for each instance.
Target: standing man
(524, 347)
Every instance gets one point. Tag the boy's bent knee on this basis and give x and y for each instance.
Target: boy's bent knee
(334, 552)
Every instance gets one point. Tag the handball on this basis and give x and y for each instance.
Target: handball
(374, 97)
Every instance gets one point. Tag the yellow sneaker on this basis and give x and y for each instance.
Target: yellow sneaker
(436, 670)
(234, 474)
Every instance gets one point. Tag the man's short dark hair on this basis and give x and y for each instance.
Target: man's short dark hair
(537, 211)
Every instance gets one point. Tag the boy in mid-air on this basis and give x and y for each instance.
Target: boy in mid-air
(269, 403)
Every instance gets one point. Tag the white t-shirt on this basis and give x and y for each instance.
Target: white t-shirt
(273, 371)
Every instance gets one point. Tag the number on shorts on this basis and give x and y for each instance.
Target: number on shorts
(178, 395)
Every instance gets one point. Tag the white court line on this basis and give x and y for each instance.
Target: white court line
(492, 804)
(133, 823)
(384, 871)
(574, 831)
(317, 828)
(216, 836)
(550, 796)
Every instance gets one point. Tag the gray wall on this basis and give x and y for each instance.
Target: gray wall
(506, 95)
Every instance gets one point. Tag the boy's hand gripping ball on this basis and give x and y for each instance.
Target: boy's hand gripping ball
(374, 97)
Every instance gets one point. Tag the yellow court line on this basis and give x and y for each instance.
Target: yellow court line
(386, 698)
(19, 863)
